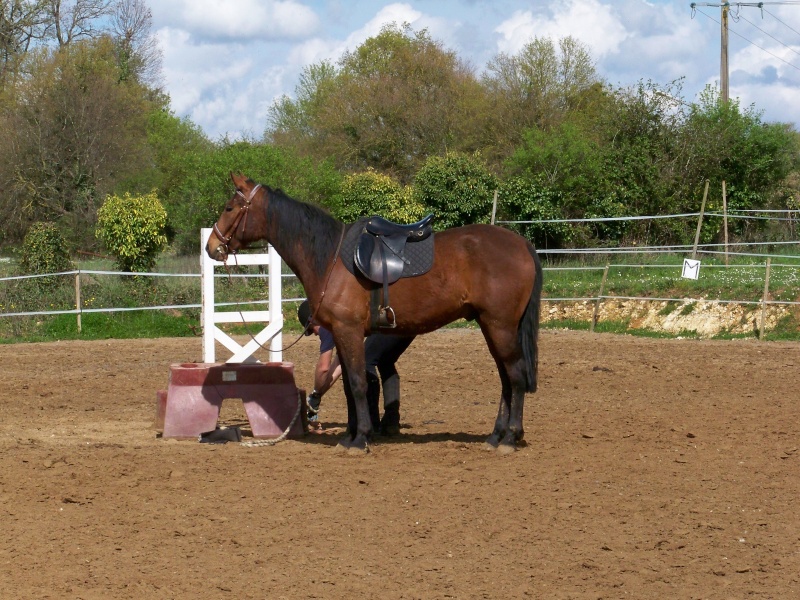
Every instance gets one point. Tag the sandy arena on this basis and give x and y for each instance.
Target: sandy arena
(653, 469)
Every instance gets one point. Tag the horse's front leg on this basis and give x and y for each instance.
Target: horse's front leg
(350, 350)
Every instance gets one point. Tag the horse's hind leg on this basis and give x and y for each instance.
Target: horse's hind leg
(515, 431)
(504, 347)
(501, 422)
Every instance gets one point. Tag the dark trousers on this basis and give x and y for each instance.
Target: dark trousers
(381, 352)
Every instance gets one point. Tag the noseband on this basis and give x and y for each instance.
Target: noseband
(242, 214)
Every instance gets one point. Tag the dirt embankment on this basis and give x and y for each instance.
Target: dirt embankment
(705, 319)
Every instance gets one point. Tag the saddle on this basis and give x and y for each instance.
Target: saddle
(386, 251)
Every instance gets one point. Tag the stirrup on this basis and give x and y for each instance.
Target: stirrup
(386, 318)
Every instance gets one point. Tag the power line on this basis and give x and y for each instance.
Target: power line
(781, 22)
(769, 34)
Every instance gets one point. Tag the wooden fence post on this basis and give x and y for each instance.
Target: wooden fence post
(78, 298)
(494, 206)
(764, 301)
(597, 302)
(725, 219)
(700, 222)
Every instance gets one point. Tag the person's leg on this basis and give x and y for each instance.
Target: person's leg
(389, 349)
(372, 354)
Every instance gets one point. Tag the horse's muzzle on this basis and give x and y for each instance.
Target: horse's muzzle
(219, 253)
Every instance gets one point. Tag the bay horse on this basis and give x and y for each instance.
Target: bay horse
(479, 272)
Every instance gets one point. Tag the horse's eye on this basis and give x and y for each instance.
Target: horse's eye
(228, 208)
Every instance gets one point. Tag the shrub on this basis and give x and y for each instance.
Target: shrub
(371, 193)
(132, 229)
(44, 250)
(524, 200)
(457, 188)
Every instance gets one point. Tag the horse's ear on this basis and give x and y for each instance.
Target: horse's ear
(238, 179)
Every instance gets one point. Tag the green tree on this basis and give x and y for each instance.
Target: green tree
(536, 87)
(44, 250)
(138, 53)
(72, 132)
(735, 145)
(195, 198)
(132, 229)
(457, 188)
(371, 193)
(521, 199)
(388, 105)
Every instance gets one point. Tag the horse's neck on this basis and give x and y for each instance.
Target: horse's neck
(302, 266)
(299, 257)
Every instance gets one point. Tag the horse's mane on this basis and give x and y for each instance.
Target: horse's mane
(318, 229)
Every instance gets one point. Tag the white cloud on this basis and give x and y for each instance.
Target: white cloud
(192, 67)
(589, 21)
(239, 19)
(318, 49)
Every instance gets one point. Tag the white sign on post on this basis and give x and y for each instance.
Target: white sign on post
(691, 268)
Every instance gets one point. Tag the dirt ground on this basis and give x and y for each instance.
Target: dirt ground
(653, 469)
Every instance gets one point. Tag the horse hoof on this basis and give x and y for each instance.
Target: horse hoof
(357, 451)
(390, 430)
(344, 444)
(506, 449)
(489, 447)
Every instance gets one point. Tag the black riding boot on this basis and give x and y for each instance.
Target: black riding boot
(390, 423)
(373, 397)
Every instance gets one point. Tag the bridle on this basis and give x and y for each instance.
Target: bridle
(241, 217)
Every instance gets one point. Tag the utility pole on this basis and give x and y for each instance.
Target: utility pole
(723, 55)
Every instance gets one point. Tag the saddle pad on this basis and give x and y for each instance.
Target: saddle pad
(419, 254)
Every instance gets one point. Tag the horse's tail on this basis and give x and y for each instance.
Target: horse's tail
(528, 332)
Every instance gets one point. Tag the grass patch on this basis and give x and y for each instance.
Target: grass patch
(566, 324)
(668, 309)
(102, 326)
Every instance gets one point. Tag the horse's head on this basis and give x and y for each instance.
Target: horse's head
(235, 227)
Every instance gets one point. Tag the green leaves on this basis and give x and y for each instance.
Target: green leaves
(371, 193)
(457, 188)
(132, 229)
(44, 250)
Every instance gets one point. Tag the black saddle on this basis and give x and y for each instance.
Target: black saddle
(386, 251)
(415, 231)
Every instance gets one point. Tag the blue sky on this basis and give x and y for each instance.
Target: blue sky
(226, 61)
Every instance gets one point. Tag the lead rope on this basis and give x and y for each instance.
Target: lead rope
(325, 287)
(281, 437)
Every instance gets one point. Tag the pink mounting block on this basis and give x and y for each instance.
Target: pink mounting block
(191, 404)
